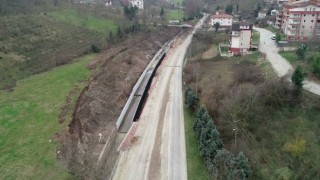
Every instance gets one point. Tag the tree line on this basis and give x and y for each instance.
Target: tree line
(220, 162)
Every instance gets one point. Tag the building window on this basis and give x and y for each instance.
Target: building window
(312, 21)
(314, 9)
(304, 20)
(312, 14)
(304, 15)
(302, 26)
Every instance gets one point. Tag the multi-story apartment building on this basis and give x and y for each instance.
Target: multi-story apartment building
(301, 20)
(279, 17)
(240, 38)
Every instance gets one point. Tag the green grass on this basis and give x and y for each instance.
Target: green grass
(174, 14)
(84, 20)
(256, 37)
(29, 120)
(290, 56)
(272, 29)
(195, 165)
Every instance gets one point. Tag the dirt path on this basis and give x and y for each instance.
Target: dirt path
(280, 64)
(159, 150)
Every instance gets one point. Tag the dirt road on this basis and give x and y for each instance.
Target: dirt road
(157, 149)
(280, 64)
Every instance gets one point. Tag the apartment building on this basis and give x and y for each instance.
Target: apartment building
(301, 20)
(240, 38)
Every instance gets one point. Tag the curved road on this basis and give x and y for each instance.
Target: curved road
(157, 149)
(280, 64)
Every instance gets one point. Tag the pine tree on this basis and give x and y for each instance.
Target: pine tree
(241, 169)
(298, 77)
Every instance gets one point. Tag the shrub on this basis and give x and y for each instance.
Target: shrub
(191, 99)
(298, 77)
(316, 65)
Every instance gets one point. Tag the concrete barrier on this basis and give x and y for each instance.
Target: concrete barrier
(154, 63)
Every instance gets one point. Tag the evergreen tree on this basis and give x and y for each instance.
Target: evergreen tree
(241, 169)
(198, 120)
(191, 99)
(298, 77)
(216, 26)
(301, 51)
(161, 12)
(223, 162)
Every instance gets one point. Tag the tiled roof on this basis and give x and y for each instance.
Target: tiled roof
(221, 16)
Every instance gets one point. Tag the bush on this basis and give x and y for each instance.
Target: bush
(248, 74)
(316, 66)
(298, 77)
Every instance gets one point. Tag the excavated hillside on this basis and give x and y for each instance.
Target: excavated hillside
(89, 147)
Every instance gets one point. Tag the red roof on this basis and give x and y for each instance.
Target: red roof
(221, 16)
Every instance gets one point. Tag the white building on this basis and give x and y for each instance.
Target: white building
(225, 20)
(240, 38)
(137, 3)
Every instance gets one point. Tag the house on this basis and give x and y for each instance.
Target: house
(240, 37)
(225, 20)
(262, 14)
(108, 2)
(301, 20)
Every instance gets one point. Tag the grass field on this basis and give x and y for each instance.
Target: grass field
(29, 120)
(84, 20)
(174, 14)
(290, 56)
(195, 165)
(256, 37)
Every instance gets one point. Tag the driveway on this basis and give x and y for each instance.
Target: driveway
(280, 64)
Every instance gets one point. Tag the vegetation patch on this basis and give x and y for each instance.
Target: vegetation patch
(29, 121)
(174, 14)
(273, 123)
(86, 20)
(195, 164)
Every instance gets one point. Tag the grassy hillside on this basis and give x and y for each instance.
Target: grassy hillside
(84, 20)
(36, 42)
(29, 121)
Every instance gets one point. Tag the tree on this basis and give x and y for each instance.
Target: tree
(161, 12)
(191, 99)
(229, 9)
(198, 123)
(297, 77)
(216, 26)
(316, 65)
(301, 51)
(223, 162)
(278, 37)
(241, 169)
(130, 12)
(208, 145)
(237, 7)
(119, 33)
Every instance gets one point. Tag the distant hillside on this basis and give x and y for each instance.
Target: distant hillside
(36, 38)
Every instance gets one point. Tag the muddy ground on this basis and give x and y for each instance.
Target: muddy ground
(115, 72)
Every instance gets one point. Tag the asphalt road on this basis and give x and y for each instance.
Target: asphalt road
(158, 147)
(280, 64)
